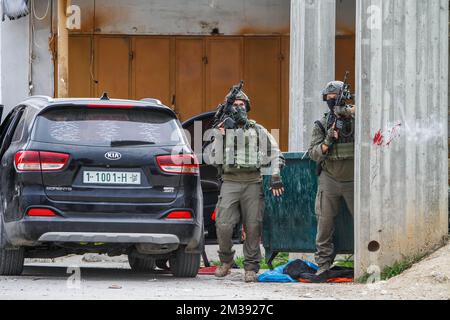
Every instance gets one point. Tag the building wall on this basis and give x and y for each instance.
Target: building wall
(14, 56)
(401, 182)
(175, 17)
(16, 38)
(42, 59)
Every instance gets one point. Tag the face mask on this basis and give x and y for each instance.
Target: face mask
(331, 104)
(240, 116)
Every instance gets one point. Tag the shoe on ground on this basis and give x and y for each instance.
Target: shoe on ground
(250, 276)
(323, 269)
(223, 270)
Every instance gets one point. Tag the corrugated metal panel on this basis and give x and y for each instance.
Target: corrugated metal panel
(402, 169)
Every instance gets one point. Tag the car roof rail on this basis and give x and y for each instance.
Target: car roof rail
(152, 100)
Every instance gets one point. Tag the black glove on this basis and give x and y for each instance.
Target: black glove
(329, 139)
(276, 185)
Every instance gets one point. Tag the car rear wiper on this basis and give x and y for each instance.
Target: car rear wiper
(123, 143)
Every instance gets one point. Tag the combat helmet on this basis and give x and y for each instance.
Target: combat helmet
(242, 96)
(332, 87)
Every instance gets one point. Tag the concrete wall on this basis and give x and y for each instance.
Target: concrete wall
(313, 30)
(402, 97)
(1, 71)
(15, 57)
(191, 17)
(16, 82)
(42, 59)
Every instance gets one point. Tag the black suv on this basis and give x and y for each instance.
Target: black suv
(103, 176)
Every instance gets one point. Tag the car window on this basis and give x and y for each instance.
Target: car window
(205, 121)
(5, 125)
(99, 127)
(9, 129)
(10, 124)
(18, 133)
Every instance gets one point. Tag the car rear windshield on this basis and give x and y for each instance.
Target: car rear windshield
(104, 127)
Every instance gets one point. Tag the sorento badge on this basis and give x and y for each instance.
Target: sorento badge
(113, 155)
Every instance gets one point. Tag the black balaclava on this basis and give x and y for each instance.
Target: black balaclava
(331, 104)
(240, 116)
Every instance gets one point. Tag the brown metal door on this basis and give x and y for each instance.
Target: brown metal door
(262, 75)
(151, 72)
(224, 68)
(345, 58)
(189, 81)
(112, 59)
(80, 84)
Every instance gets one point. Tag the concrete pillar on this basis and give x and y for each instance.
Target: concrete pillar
(63, 50)
(313, 30)
(401, 179)
(1, 71)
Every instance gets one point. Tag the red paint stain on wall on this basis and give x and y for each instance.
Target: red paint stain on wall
(394, 133)
(384, 139)
(378, 139)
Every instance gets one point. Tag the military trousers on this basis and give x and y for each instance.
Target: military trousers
(328, 202)
(240, 202)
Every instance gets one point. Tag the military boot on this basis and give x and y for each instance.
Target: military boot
(250, 276)
(224, 269)
(323, 268)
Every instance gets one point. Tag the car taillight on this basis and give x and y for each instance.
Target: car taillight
(179, 215)
(27, 161)
(179, 164)
(41, 212)
(40, 161)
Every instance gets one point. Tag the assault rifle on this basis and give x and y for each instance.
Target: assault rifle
(225, 110)
(343, 96)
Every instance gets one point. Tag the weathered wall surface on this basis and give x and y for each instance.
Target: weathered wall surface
(14, 56)
(42, 59)
(313, 30)
(177, 17)
(17, 38)
(124, 17)
(402, 99)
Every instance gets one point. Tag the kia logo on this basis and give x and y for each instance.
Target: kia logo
(113, 155)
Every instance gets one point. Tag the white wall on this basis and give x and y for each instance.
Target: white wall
(14, 56)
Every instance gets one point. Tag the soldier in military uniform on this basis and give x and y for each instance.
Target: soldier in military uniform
(243, 155)
(333, 150)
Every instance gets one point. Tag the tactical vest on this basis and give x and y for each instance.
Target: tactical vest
(344, 147)
(241, 150)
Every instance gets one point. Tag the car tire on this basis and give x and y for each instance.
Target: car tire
(11, 260)
(184, 265)
(138, 264)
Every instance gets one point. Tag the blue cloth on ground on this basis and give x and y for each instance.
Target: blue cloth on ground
(277, 275)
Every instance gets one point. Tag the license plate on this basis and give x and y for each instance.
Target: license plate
(111, 177)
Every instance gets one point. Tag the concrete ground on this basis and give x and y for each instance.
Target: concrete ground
(100, 277)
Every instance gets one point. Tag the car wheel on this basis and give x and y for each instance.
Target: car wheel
(162, 264)
(141, 264)
(185, 265)
(11, 260)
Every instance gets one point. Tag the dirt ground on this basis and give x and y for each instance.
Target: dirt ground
(102, 277)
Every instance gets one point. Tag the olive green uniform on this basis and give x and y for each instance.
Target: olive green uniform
(241, 197)
(336, 182)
